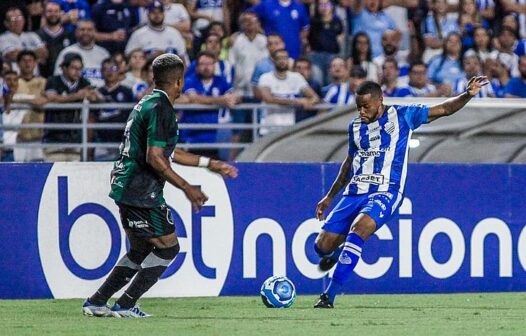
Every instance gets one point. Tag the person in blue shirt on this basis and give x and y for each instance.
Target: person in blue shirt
(367, 16)
(390, 73)
(206, 88)
(500, 74)
(437, 26)
(373, 176)
(287, 18)
(516, 87)
(114, 20)
(447, 68)
(74, 11)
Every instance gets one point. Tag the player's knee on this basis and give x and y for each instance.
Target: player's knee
(137, 256)
(327, 242)
(167, 253)
(364, 228)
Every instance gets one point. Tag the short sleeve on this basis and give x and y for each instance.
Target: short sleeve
(158, 126)
(352, 145)
(264, 81)
(415, 115)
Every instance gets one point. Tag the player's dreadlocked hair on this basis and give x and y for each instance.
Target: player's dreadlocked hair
(167, 68)
(369, 87)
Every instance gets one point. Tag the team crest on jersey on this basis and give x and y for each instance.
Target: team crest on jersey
(389, 127)
(294, 14)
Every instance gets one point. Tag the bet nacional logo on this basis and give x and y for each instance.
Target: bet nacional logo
(80, 237)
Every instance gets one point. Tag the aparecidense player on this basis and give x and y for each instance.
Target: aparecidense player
(374, 174)
(137, 183)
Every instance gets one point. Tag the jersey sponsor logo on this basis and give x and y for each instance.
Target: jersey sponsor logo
(368, 178)
(73, 219)
(372, 152)
(139, 224)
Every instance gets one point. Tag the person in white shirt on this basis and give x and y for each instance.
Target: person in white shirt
(15, 39)
(156, 36)
(248, 47)
(283, 87)
(92, 54)
(176, 15)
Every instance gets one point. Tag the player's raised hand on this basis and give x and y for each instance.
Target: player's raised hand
(223, 168)
(196, 197)
(475, 84)
(322, 206)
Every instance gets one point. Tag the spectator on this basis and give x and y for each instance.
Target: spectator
(418, 84)
(437, 26)
(399, 10)
(122, 64)
(248, 47)
(136, 61)
(144, 87)
(499, 72)
(92, 54)
(222, 68)
(54, 36)
(206, 88)
(111, 92)
(156, 36)
(326, 29)
(176, 15)
(274, 42)
(391, 49)
(338, 72)
(10, 117)
(74, 11)
(114, 21)
(469, 18)
(482, 43)
(506, 43)
(283, 87)
(30, 91)
(368, 17)
(35, 9)
(344, 93)
(517, 8)
(15, 39)
(390, 85)
(516, 87)
(66, 88)
(361, 55)
(447, 68)
(303, 66)
(472, 67)
(289, 19)
(217, 28)
(205, 12)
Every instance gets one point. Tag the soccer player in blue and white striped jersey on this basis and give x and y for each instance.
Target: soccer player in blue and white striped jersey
(373, 175)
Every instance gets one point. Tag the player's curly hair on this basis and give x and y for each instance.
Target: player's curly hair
(167, 68)
(369, 87)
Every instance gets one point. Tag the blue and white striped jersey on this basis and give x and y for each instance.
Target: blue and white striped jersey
(379, 150)
(339, 94)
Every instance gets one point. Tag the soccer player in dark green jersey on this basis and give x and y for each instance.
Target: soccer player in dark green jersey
(137, 183)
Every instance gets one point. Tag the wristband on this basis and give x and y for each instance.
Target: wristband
(203, 162)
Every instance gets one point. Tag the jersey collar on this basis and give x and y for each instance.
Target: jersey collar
(161, 91)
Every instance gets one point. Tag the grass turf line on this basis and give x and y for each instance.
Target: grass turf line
(444, 314)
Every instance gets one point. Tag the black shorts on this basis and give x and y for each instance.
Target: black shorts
(147, 222)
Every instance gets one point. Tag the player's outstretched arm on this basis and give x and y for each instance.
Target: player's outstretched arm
(217, 166)
(155, 158)
(341, 181)
(454, 104)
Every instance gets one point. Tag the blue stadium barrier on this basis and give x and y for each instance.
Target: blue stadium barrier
(461, 228)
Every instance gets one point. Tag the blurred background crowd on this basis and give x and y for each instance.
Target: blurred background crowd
(292, 53)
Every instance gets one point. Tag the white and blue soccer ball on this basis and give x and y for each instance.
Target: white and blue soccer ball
(278, 292)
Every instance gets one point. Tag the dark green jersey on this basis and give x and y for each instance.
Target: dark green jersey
(151, 123)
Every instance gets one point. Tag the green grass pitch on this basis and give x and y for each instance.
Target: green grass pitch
(366, 315)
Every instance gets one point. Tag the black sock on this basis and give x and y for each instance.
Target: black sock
(119, 277)
(151, 270)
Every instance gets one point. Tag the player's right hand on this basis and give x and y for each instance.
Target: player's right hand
(196, 197)
(322, 206)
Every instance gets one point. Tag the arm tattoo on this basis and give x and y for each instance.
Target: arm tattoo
(342, 179)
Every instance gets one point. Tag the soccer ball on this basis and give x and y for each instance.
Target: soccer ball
(278, 292)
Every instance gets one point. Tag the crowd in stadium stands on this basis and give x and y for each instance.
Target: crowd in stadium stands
(287, 52)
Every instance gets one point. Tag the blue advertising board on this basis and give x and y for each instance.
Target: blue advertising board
(461, 228)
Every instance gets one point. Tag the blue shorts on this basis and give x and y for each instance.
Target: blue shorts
(379, 206)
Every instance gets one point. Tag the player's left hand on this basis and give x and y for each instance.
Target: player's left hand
(475, 84)
(223, 168)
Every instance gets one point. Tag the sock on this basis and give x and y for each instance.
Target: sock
(121, 274)
(151, 270)
(349, 257)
